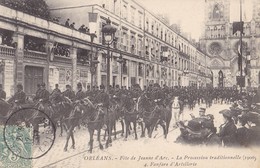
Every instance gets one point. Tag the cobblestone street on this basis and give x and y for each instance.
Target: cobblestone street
(79, 157)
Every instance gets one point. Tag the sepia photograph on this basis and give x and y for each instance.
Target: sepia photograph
(129, 83)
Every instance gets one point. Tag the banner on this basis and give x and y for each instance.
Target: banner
(92, 17)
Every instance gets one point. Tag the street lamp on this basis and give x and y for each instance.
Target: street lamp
(109, 37)
(93, 61)
(120, 61)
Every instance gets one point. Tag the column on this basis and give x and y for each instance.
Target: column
(19, 70)
(73, 54)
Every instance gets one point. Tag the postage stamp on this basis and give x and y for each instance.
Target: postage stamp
(15, 139)
(28, 134)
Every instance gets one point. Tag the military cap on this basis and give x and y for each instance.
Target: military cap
(43, 84)
(202, 109)
(156, 85)
(19, 86)
(117, 86)
(79, 84)
(67, 86)
(102, 87)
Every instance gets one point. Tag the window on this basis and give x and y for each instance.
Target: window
(132, 15)
(124, 12)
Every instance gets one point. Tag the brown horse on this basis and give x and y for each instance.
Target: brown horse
(154, 114)
(5, 110)
(130, 113)
(94, 116)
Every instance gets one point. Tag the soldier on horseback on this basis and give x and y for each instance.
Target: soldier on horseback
(80, 95)
(69, 93)
(103, 99)
(19, 97)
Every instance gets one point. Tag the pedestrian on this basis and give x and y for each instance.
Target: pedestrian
(211, 138)
(56, 90)
(227, 131)
(2, 93)
(176, 110)
(242, 133)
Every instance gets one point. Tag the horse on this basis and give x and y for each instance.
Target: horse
(94, 116)
(5, 110)
(114, 114)
(71, 117)
(130, 114)
(153, 114)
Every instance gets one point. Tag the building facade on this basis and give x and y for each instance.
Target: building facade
(222, 45)
(34, 50)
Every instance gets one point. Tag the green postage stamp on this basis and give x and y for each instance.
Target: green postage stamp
(15, 146)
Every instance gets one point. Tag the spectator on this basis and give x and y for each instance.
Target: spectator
(72, 26)
(67, 24)
(82, 28)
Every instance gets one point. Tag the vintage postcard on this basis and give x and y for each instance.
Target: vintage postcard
(129, 83)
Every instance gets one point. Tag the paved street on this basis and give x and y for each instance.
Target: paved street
(74, 158)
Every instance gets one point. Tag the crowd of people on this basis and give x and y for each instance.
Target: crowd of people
(34, 45)
(82, 28)
(241, 124)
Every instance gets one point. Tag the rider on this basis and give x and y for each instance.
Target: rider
(44, 94)
(103, 98)
(80, 94)
(37, 94)
(158, 95)
(69, 93)
(2, 93)
(56, 90)
(19, 97)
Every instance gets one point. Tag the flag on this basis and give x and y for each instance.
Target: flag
(238, 26)
(92, 17)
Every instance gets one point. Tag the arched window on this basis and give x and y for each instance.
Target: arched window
(216, 12)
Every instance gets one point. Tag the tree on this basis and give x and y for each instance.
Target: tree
(37, 8)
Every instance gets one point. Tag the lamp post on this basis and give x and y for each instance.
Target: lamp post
(108, 35)
(248, 65)
(120, 61)
(94, 61)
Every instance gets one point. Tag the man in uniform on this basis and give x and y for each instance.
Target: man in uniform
(69, 93)
(2, 93)
(44, 94)
(80, 94)
(103, 98)
(19, 97)
(202, 112)
(56, 90)
(37, 94)
(158, 95)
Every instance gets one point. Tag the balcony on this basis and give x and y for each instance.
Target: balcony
(7, 51)
(35, 54)
(103, 67)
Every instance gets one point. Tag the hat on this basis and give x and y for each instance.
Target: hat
(67, 86)
(19, 86)
(202, 109)
(102, 87)
(211, 116)
(156, 85)
(226, 113)
(117, 86)
(79, 85)
(43, 84)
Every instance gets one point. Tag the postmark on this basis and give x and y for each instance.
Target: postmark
(29, 133)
